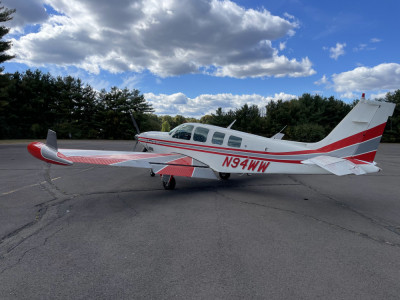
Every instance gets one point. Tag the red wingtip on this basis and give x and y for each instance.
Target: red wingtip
(34, 149)
(363, 96)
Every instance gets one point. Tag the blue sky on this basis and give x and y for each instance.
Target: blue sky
(192, 56)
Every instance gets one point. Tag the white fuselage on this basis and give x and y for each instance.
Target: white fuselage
(236, 152)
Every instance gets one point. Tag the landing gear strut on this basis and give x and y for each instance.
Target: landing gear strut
(224, 176)
(168, 182)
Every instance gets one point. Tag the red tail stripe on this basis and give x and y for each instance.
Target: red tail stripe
(351, 140)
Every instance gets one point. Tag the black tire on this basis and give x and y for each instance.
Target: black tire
(152, 174)
(169, 185)
(224, 176)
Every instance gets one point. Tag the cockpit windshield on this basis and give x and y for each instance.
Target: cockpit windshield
(183, 132)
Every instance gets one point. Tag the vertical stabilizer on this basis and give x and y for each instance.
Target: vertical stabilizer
(360, 132)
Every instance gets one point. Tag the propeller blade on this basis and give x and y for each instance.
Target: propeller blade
(134, 147)
(134, 123)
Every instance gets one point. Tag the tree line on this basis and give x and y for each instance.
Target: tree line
(33, 101)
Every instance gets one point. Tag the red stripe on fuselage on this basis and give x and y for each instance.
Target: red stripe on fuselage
(346, 142)
(227, 154)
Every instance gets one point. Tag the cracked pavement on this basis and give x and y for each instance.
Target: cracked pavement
(96, 232)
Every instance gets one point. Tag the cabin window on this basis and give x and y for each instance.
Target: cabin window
(183, 132)
(218, 138)
(200, 134)
(234, 141)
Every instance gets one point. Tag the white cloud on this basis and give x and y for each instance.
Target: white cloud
(27, 12)
(279, 66)
(323, 80)
(349, 95)
(165, 37)
(282, 46)
(289, 16)
(367, 46)
(360, 47)
(375, 40)
(379, 95)
(132, 81)
(337, 51)
(381, 77)
(204, 104)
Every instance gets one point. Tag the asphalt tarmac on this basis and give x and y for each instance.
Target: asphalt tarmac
(97, 232)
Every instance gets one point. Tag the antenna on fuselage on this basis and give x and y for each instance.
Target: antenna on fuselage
(279, 135)
(229, 127)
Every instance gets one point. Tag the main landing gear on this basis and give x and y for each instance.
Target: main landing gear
(224, 176)
(168, 182)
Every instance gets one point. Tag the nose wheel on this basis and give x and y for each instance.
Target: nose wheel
(168, 182)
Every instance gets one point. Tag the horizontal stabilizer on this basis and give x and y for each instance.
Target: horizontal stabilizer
(335, 165)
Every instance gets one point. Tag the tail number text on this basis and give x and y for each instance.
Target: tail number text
(245, 164)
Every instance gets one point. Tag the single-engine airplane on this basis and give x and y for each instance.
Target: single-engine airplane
(202, 151)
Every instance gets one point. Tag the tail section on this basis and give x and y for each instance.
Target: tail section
(358, 135)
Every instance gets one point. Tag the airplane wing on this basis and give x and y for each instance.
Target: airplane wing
(161, 163)
(338, 166)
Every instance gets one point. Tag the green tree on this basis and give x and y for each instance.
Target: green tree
(178, 120)
(170, 121)
(114, 107)
(5, 15)
(392, 130)
(165, 127)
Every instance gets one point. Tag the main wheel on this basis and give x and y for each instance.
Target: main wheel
(152, 174)
(169, 185)
(224, 176)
